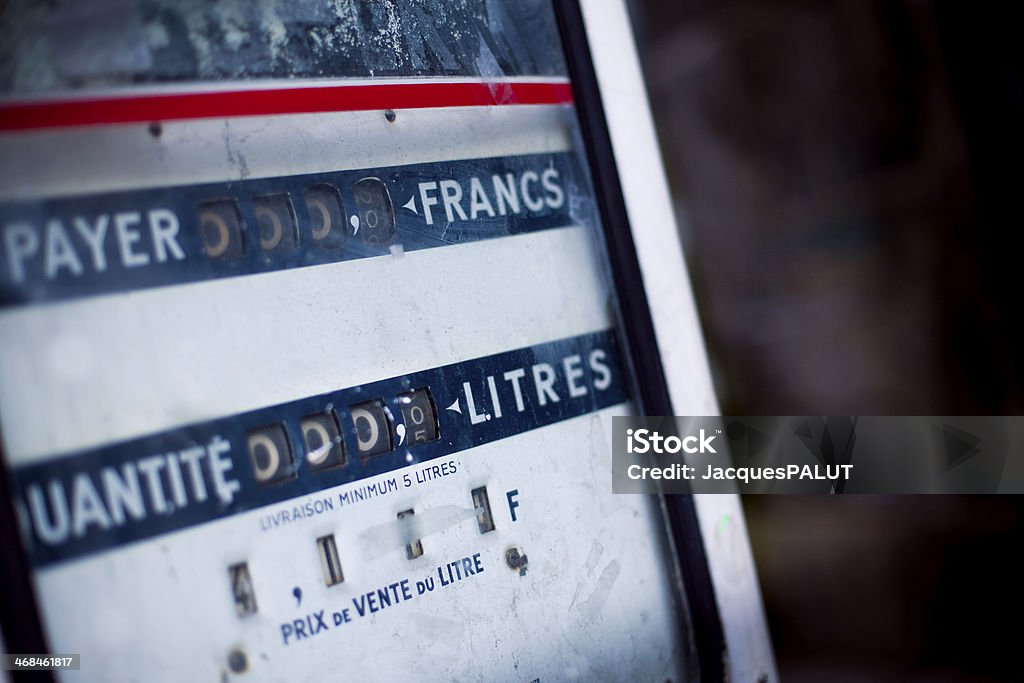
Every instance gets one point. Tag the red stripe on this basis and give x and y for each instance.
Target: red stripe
(301, 100)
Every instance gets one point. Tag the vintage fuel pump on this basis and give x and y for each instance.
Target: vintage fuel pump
(313, 319)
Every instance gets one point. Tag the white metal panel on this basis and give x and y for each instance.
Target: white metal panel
(132, 364)
(215, 150)
(188, 353)
(585, 598)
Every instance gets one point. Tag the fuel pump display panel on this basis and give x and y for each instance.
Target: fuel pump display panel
(325, 390)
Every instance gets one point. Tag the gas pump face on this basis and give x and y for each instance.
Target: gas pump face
(309, 351)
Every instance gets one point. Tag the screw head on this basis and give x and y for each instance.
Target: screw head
(237, 661)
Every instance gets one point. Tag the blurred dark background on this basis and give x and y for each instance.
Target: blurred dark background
(847, 177)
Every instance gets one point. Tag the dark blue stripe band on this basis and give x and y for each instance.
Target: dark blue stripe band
(104, 498)
(82, 246)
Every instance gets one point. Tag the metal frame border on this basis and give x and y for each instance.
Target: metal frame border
(662, 334)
